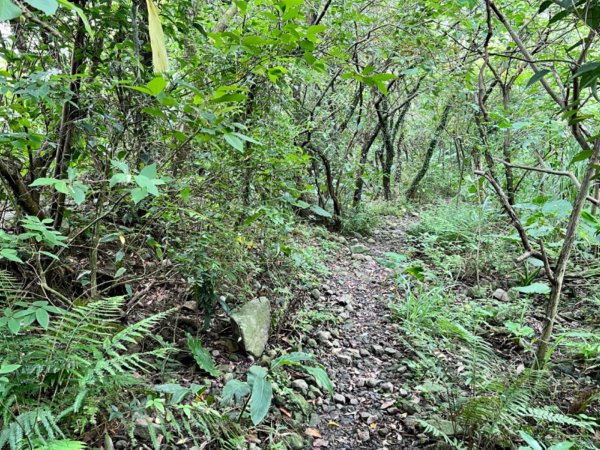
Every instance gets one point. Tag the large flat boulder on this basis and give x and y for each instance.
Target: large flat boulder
(251, 322)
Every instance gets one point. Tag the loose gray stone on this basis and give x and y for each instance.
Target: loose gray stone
(359, 249)
(364, 352)
(323, 336)
(339, 398)
(372, 382)
(315, 294)
(391, 351)
(372, 419)
(363, 435)
(387, 387)
(345, 359)
(403, 392)
(501, 295)
(377, 349)
(300, 385)
(191, 305)
(251, 322)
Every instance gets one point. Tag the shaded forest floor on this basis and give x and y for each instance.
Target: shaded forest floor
(353, 335)
(397, 362)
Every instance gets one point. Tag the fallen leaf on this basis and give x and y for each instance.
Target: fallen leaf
(373, 425)
(320, 443)
(333, 424)
(312, 432)
(285, 412)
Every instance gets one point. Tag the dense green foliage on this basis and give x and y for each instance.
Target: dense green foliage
(157, 154)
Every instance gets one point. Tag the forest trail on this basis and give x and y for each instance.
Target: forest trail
(361, 350)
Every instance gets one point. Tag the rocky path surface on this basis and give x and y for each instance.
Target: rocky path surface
(362, 350)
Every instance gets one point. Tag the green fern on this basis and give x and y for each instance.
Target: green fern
(553, 415)
(436, 432)
(35, 425)
(68, 373)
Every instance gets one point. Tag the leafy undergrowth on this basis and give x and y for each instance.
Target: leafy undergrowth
(85, 374)
(472, 345)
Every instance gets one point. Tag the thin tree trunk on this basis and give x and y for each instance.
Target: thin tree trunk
(563, 258)
(364, 153)
(508, 173)
(70, 113)
(412, 191)
(223, 22)
(387, 158)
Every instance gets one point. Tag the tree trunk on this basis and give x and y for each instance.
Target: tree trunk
(387, 159)
(364, 153)
(70, 113)
(563, 258)
(412, 191)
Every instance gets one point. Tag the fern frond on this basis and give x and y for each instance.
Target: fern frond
(553, 415)
(10, 289)
(26, 428)
(436, 432)
(134, 332)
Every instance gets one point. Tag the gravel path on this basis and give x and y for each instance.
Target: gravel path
(362, 351)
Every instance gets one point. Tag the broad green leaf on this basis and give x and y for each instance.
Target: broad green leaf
(146, 183)
(530, 441)
(8, 368)
(43, 181)
(42, 317)
(234, 390)
(157, 85)
(138, 194)
(234, 141)
(260, 400)
(118, 178)
(581, 156)
(320, 211)
(61, 186)
(149, 171)
(14, 325)
(11, 255)
(78, 193)
(86, 23)
(535, 288)
(255, 40)
(255, 372)
(49, 7)
(8, 10)
(416, 271)
(561, 209)
(202, 356)
(120, 272)
(291, 359)
(545, 5)
(538, 76)
(321, 377)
